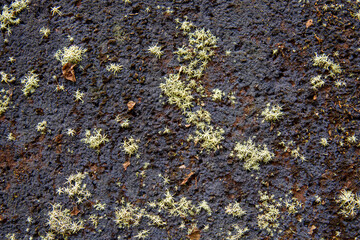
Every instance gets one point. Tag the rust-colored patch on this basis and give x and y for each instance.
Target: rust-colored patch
(300, 194)
(58, 138)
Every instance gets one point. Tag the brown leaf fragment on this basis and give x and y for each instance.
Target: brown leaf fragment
(312, 228)
(68, 72)
(131, 105)
(187, 178)
(194, 235)
(318, 39)
(75, 211)
(309, 23)
(126, 164)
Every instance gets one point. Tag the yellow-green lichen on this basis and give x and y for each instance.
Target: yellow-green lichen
(252, 154)
(30, 81)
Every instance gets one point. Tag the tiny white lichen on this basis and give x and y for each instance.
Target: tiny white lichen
(70, 132)
(56, 10)
(41, 127)
(156, 50)
(79, 96)
(7, 78)
(114, 68)
(324, 142)
(45, 32)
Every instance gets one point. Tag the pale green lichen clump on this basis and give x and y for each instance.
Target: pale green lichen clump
(239, 232)
(30, 81)
(235, 210)
(7, 78)
(79, 96)
(317, 82)
(324, 62)
(217, 95)
(269, 213)
(8, 15)
(114, 68)
(128, 215)
(72, 54)
(349, 203)
(60, 221)
(130, 146)
(177, 91)
(75, 187)
(96, 139)
(208, 137)
(156, 50)
(252, 155)
(272, 114)
(41, 127)
(45, 32)
(4, 100)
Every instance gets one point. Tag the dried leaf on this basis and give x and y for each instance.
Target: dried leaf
(75, 211)
(68, 72)
(195, 234)
(312, 228)
(309, 23)
(319, 39)
(131, 105)
(187, 178)
(126, 164)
